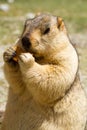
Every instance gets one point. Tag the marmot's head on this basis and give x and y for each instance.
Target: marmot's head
(42, 35)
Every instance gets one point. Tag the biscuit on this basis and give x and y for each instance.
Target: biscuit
(18, 51)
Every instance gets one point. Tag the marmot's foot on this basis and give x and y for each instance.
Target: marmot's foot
(26, 59)
(8, 55)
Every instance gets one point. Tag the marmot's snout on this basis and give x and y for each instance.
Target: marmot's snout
(26, 43)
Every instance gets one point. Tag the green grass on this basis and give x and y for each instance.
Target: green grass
(10, 31)
(74, 12)
(83, 59)
(83, 63)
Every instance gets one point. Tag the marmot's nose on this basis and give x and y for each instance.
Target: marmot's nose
(26, 42)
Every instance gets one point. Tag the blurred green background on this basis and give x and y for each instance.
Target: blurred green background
(74, 13)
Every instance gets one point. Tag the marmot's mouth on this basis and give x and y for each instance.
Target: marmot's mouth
(26, 46)
(36, 55)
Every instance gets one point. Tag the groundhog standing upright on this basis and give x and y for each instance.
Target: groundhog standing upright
(45, 91)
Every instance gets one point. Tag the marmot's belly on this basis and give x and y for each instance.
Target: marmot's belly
(28, 115)
(30, 120)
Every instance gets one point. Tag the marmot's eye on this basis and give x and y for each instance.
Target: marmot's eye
(46, 31)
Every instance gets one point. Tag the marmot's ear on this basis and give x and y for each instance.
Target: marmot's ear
(60, 24)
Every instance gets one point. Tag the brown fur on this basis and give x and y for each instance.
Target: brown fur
(45, 92)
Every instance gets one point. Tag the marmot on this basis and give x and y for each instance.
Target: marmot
(45, 91)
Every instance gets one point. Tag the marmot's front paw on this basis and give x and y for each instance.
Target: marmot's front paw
(26, 59)
(8, 55)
